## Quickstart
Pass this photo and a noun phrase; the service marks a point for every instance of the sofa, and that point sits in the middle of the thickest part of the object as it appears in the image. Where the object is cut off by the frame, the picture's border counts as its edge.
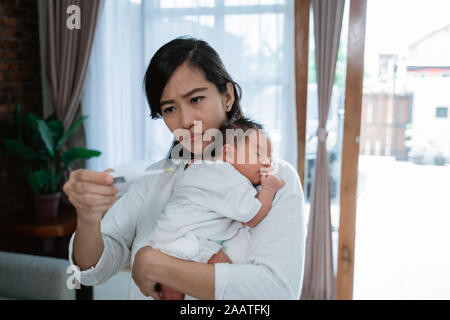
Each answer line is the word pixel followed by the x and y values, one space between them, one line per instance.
pixel 30 277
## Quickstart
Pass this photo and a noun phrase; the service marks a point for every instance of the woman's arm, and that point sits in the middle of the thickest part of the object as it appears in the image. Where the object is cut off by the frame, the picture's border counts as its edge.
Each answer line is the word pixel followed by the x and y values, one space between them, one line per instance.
pixel 104 249
pixel 88 245
pixel 92 194
pixel 192 278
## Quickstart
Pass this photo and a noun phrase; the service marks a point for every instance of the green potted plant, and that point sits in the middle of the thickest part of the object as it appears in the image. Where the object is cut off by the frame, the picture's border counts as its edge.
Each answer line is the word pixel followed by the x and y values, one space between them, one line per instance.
pixel 36 148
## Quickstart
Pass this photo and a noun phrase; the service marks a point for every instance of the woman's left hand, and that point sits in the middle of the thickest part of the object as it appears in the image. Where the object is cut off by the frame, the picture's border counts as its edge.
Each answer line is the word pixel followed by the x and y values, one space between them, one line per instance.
pixel 141 272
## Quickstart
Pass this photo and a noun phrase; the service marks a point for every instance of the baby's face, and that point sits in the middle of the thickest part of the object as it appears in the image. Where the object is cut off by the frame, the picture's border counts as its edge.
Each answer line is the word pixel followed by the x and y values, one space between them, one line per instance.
pixel 253 155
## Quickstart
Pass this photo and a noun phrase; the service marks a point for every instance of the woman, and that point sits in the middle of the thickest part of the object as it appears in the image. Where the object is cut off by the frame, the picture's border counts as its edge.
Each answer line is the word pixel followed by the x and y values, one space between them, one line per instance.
pixel 186 84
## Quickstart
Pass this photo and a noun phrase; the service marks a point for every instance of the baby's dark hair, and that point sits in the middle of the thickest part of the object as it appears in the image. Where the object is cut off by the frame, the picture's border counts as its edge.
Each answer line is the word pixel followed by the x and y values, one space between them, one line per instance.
pixel 244 124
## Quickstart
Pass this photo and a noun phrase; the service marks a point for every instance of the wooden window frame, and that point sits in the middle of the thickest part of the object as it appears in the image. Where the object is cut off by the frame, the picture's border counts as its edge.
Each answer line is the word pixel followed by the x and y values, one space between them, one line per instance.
pixel 352 126
pixel 301 17
pixel 350 148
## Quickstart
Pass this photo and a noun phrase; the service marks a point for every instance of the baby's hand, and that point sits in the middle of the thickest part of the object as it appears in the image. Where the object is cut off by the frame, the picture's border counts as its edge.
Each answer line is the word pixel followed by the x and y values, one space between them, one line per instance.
pixel 272 182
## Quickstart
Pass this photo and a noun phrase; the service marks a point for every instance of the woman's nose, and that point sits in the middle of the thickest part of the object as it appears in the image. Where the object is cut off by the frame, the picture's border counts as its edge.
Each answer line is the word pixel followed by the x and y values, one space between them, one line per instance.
pixel 187 119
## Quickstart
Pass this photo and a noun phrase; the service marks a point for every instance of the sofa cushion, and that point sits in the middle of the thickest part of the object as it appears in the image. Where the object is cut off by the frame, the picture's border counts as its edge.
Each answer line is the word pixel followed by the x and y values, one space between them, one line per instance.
pixel 24 276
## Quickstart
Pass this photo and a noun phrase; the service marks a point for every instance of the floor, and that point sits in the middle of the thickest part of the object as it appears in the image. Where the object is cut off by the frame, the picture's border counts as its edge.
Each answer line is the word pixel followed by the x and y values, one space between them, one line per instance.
pixel 402 247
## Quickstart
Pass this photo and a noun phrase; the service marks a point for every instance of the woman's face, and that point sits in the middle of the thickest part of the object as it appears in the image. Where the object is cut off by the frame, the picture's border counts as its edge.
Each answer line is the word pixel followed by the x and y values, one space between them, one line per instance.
pixel 189 101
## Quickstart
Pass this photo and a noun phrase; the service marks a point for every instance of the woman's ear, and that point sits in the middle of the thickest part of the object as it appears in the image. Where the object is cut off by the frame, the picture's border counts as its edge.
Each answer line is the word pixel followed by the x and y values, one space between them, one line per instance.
pixel 228 153
pixel 228 100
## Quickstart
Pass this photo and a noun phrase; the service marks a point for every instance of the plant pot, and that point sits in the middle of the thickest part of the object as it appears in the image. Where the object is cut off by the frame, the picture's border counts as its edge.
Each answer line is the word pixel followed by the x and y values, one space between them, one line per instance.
pixel 46 206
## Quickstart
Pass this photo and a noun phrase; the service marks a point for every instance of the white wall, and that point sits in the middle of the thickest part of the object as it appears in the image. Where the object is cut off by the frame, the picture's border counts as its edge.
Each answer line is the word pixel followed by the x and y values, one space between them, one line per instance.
pixel 429 93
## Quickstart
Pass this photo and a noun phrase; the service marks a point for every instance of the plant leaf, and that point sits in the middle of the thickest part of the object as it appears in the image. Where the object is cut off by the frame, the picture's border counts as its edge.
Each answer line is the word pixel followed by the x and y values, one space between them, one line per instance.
pixel 30 123
pixel 43 154
pixel 56 127
pixel 17 148
pixel 38 180
pixel 78 153
pixel 46 136
pixel 70 130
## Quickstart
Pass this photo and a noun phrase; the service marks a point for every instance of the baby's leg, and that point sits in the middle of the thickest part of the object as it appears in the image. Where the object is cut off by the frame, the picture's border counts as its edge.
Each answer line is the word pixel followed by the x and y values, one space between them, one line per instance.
pixel 171 294
pixel 219 257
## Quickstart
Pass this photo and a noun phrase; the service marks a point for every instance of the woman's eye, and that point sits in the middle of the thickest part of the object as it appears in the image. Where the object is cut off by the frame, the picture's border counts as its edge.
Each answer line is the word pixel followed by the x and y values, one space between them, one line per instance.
pixel 168 110
pixel 196 99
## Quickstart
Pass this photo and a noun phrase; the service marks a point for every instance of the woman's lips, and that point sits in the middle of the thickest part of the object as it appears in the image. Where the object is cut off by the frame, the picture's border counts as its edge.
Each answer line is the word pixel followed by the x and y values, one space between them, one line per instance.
pixel 195 137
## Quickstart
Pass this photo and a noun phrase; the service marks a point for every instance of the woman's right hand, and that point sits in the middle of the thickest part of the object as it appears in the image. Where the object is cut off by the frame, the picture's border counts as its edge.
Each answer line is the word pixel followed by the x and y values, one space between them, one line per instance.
pixel 142 271
pixel 91 193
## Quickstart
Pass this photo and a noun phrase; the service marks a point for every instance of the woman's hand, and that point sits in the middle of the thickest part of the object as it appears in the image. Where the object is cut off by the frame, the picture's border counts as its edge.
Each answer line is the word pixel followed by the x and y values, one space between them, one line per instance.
pixel 91 193
pixel 141 272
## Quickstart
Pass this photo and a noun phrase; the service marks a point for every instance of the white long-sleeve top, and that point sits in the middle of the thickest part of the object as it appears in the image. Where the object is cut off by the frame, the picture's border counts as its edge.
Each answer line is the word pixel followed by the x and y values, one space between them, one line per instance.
pixel 211 200
pixel 267 264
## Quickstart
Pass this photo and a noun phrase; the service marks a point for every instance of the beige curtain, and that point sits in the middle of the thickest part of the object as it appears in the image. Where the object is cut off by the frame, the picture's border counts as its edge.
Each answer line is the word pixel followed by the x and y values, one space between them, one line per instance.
pixel 68 53
pixel 318 281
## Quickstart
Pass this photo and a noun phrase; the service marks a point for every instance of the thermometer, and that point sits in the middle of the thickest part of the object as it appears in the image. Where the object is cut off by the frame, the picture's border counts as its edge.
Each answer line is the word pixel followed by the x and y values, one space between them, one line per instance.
pixel 132 176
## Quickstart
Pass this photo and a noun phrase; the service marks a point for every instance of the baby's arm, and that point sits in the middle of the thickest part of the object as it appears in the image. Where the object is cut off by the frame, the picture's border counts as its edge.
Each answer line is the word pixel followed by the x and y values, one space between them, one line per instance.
pixel 270 184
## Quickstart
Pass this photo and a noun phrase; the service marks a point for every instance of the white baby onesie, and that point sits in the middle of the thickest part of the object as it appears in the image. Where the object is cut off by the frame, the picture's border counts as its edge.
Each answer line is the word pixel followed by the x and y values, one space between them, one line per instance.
pixel 209 204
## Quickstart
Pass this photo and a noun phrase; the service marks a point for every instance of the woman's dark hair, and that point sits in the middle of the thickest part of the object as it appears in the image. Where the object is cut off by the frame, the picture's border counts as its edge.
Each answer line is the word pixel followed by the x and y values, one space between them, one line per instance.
pixel 200 55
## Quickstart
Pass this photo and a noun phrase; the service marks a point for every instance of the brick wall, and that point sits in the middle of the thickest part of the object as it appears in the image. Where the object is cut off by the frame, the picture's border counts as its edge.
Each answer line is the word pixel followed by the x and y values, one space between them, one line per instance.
pixel 20 75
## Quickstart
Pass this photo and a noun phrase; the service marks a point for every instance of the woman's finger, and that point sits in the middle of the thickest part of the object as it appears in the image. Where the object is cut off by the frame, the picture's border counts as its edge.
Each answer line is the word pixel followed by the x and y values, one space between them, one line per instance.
pixel 91 200
pixel 102 178
pixel 155 295
pixel 86 187
pixel 149 290
pixel 89 208
pixel 97 200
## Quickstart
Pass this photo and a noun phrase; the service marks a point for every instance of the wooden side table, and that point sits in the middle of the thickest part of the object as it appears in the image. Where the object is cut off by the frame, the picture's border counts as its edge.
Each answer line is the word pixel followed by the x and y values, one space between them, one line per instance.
pixel 48 235
pixel 25 224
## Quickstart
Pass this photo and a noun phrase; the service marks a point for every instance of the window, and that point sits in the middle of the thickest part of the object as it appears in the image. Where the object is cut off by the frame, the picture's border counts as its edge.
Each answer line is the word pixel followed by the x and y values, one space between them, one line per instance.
pixel 403 173
pixel 256 42
pixel 255 39
pixel 442 112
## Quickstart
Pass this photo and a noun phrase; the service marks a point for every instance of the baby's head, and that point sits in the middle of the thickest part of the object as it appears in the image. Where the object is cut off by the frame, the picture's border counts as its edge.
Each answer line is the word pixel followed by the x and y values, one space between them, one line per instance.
pixel 246 146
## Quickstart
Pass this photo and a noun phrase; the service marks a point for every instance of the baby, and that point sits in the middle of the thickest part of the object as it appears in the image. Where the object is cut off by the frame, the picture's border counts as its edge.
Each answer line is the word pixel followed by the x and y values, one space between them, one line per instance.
pixel 214 198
